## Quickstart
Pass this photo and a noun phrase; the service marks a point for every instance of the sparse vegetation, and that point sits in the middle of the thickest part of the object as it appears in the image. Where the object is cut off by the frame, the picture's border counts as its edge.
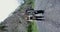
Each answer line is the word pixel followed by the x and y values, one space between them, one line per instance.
pixel 27 3
pixel 30 2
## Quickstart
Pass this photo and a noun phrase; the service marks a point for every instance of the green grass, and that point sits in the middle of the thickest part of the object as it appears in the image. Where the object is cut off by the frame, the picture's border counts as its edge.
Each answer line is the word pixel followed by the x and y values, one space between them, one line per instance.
pixel 29 29
pixel 32 27
pixel 33 1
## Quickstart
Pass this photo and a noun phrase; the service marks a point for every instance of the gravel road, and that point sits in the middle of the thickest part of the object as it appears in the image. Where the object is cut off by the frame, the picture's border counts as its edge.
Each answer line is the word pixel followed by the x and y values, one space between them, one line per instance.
pixel 52 17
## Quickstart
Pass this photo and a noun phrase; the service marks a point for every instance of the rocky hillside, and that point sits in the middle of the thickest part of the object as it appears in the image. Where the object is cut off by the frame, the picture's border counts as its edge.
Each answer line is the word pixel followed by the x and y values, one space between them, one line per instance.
pixel 16 21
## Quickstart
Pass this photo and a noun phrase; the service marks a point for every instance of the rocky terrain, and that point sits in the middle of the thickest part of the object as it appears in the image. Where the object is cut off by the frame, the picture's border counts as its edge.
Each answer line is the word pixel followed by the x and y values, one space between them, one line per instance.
pixel 16 21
